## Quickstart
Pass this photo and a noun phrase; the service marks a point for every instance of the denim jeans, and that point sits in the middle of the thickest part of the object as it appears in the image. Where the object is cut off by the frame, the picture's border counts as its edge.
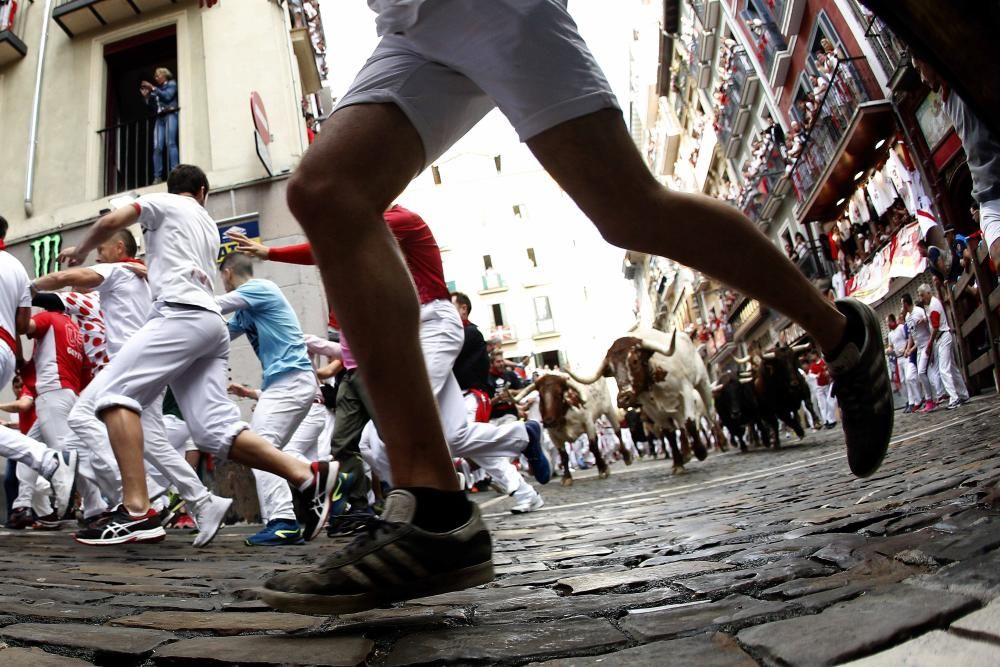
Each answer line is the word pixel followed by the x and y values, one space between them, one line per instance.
pixel 165 134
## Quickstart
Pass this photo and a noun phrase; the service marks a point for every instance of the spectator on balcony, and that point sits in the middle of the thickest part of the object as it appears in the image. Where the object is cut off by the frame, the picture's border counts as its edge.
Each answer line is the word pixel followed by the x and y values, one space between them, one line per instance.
pixel 982 148
pixel 789 251
pixel 162 98
pixel 819 86
pixel 801 247
pixel 8 10
pixel 310 127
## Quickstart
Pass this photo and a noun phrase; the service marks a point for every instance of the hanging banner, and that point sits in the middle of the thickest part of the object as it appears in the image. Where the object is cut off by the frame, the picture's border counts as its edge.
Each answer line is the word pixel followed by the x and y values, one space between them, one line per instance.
pixel 871 283
pixel 906 259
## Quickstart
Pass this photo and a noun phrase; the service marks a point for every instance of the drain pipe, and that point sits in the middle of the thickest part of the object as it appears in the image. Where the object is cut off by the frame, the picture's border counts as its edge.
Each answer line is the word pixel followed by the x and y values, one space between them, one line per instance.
pixel 36 104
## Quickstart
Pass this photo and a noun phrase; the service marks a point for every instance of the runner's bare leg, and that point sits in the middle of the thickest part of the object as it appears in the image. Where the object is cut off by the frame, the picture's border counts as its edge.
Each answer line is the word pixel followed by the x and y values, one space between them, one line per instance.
pixel 365 156
pixel 125 433
pixel 594 160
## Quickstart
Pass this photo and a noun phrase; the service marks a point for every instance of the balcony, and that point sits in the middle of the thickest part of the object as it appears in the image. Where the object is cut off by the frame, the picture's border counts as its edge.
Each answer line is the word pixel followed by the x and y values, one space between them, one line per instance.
pixel 745 317
pixel 851 119
pixel 76 17
pixel 309 47
pixel 492 282
pixel 12 19
pixel 504 333
pixel 889 50
pixel 707 12
pixel 130 151
pixel 762 187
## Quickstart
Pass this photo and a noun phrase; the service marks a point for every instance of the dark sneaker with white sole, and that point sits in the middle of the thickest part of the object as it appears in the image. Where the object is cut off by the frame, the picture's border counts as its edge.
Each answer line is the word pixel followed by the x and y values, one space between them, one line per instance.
pixel 390 561
pixel 312 505
pixel 123 528
pixel 861 385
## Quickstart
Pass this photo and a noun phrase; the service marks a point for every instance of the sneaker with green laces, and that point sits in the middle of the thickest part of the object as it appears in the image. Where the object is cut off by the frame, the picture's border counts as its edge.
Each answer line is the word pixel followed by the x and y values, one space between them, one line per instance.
pixel 389 561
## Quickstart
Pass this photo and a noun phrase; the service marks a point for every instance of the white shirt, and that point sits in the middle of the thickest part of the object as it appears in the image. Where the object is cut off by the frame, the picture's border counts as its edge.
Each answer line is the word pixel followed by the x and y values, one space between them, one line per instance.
pixel 182 246
pixel 935 306
pixel 15 291
pixel 916 322
pixel 395 15
pixel 898 340
pixel 125 303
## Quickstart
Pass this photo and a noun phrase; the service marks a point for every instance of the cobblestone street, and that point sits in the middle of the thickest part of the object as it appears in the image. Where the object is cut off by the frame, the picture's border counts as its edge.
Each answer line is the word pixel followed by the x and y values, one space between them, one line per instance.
pixel 772 557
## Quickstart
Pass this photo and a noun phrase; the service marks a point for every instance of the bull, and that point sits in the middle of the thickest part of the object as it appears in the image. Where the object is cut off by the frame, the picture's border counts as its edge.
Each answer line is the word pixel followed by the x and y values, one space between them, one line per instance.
pixel 779 388
pixel 570 410
pixel 667 378
pixel 736 406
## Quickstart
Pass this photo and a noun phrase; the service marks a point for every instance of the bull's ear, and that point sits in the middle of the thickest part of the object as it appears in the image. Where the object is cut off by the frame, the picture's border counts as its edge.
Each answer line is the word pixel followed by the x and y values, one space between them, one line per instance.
pixel 659 374
pixel 608 371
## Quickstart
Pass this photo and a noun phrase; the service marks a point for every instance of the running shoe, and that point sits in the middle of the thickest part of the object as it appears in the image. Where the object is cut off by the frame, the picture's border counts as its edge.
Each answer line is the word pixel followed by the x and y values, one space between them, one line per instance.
pixel 390 561
pixel 48 522
pixel 540 467
pixel 338 498
pixel 349 523
pixel 313 503
pixel 277 533
pixel 908 409
pixel 929 406
pixel 61 473
pixel 124 528
pixel 953 405
pixel 20 518
pixel 861 385
pixel 209 515
pixel 526 499
pixel 96 520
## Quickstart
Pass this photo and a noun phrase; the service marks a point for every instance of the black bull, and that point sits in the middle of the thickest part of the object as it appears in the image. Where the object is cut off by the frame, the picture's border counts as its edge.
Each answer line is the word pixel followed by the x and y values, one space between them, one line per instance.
pixel 781 390
pixel 736 405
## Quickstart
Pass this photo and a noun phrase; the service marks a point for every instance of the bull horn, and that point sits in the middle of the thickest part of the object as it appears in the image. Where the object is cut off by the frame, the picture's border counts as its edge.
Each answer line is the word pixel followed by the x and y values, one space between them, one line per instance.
pixel 769 355
pixel 801 348
pixel 746 380
pixel 524 392
pixel 656 347
pixel 742 360
pixel 716 387
pixel 590 379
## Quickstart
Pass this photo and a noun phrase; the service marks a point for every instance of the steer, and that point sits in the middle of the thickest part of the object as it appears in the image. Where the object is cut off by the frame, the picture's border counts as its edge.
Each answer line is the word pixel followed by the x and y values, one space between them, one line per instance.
pixel 570 410
pixel 667 378
pixel 780 388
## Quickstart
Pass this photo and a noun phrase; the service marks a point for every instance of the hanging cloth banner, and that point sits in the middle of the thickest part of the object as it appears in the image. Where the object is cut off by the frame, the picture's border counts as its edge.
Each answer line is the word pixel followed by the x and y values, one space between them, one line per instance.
pixel 906 259
pixel 899 259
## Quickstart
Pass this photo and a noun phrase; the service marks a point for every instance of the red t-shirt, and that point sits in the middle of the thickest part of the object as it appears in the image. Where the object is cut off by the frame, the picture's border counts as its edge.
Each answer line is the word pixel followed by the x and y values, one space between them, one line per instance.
pixel 58 354
pixel 26 419
pixel 420 250
pixel 818 368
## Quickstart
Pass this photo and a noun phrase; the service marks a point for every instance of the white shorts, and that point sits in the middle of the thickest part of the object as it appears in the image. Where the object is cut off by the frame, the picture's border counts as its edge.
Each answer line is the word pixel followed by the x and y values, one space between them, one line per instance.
pixel 989 221
pixel 189 350
pixel 463 57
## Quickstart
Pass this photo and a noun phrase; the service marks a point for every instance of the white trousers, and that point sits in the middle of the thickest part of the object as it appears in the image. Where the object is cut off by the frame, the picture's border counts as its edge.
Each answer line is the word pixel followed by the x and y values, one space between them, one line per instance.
pixel 441 339
pixel 14 445
pixel 908 376
pixel 33 490
pixel 188 350
pixel 179 434
pixel 948 371
pixel 279 412
pixel 927 373
pixel 827 403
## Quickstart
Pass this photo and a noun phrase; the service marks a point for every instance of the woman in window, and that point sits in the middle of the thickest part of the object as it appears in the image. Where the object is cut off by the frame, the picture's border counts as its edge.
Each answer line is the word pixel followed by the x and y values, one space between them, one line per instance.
pixel 162 98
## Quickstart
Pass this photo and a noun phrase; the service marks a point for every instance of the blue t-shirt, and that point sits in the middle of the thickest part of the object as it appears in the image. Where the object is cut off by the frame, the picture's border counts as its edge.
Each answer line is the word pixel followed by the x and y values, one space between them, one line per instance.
pixel 270 324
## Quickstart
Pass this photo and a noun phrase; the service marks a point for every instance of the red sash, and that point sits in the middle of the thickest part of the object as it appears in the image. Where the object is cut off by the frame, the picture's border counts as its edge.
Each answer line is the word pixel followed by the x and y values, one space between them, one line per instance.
pixel 7 338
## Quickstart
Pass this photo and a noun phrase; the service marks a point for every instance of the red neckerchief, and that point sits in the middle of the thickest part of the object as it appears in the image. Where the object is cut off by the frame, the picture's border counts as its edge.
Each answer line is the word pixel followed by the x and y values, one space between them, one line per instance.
pixel 133 260
pixel 3 246
pixel 465 322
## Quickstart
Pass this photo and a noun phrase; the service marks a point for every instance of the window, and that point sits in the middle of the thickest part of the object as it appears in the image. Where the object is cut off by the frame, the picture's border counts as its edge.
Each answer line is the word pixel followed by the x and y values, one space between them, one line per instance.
pixel 139 139
pixel 487 262
pixel 498 315
pixel 532 258
pixel 543 315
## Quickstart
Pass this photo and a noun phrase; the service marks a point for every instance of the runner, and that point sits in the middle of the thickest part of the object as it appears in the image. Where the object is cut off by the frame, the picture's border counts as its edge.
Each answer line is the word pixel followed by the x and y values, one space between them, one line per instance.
pixel 184 343
pixel 440 67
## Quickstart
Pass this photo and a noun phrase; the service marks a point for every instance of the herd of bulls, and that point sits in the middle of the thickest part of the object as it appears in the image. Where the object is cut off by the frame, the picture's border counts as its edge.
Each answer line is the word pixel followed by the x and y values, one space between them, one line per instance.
pixel 665 377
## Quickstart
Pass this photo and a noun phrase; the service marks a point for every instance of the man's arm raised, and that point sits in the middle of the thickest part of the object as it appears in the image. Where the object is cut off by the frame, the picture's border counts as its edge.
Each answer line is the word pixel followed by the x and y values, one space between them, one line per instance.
pixel 77 278
pixel 99 232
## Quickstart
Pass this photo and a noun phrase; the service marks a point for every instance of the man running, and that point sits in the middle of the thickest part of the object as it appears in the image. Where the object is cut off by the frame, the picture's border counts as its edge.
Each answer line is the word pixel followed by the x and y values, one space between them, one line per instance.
pixel 15 319
pixel 184 344
pixel 288 389
pixel 125 302
pixel 920 335
pixel 440 67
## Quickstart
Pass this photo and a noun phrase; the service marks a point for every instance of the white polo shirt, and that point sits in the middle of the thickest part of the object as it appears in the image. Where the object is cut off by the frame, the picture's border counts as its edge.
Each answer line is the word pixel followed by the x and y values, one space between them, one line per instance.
pixel 125 303
pixel 15 291
pixel 182 246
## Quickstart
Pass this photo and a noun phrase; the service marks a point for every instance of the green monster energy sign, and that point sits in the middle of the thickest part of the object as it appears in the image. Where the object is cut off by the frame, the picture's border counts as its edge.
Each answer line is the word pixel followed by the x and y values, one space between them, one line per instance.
pixel 46 253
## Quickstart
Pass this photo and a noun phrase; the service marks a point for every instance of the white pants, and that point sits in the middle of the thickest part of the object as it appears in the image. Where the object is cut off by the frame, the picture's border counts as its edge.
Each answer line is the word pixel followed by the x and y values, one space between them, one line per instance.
pixel 179 434
pixel 305 442
pixel 279 412
pixel 908 376
pixel 928 375
pixel 33 490
pixel 323 447
pixel 827 403
pixel 188 350
pixel 14 445
pixel 441 338
pixel 989 221
pixel 948 370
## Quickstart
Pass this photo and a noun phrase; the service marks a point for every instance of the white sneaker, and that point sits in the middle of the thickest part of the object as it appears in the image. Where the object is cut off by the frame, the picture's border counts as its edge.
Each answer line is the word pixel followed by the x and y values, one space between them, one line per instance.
pixel 62 479
pixel 209 516
pixel 526 499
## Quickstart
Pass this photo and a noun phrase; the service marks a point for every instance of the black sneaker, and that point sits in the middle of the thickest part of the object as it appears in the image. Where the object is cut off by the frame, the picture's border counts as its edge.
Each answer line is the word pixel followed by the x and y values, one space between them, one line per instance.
pixel 123 528
pixel 861 385
pixel 392 560
pixel 20 518
pixel 51 521
pixel 91 522
pixel 312 506
pixel 349 522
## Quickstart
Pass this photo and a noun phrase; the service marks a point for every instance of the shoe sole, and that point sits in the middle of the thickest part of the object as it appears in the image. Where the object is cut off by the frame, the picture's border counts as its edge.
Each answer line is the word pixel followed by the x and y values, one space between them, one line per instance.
pixel 325 605
pixel 138 537
pixel 527 510
pixel 214 530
